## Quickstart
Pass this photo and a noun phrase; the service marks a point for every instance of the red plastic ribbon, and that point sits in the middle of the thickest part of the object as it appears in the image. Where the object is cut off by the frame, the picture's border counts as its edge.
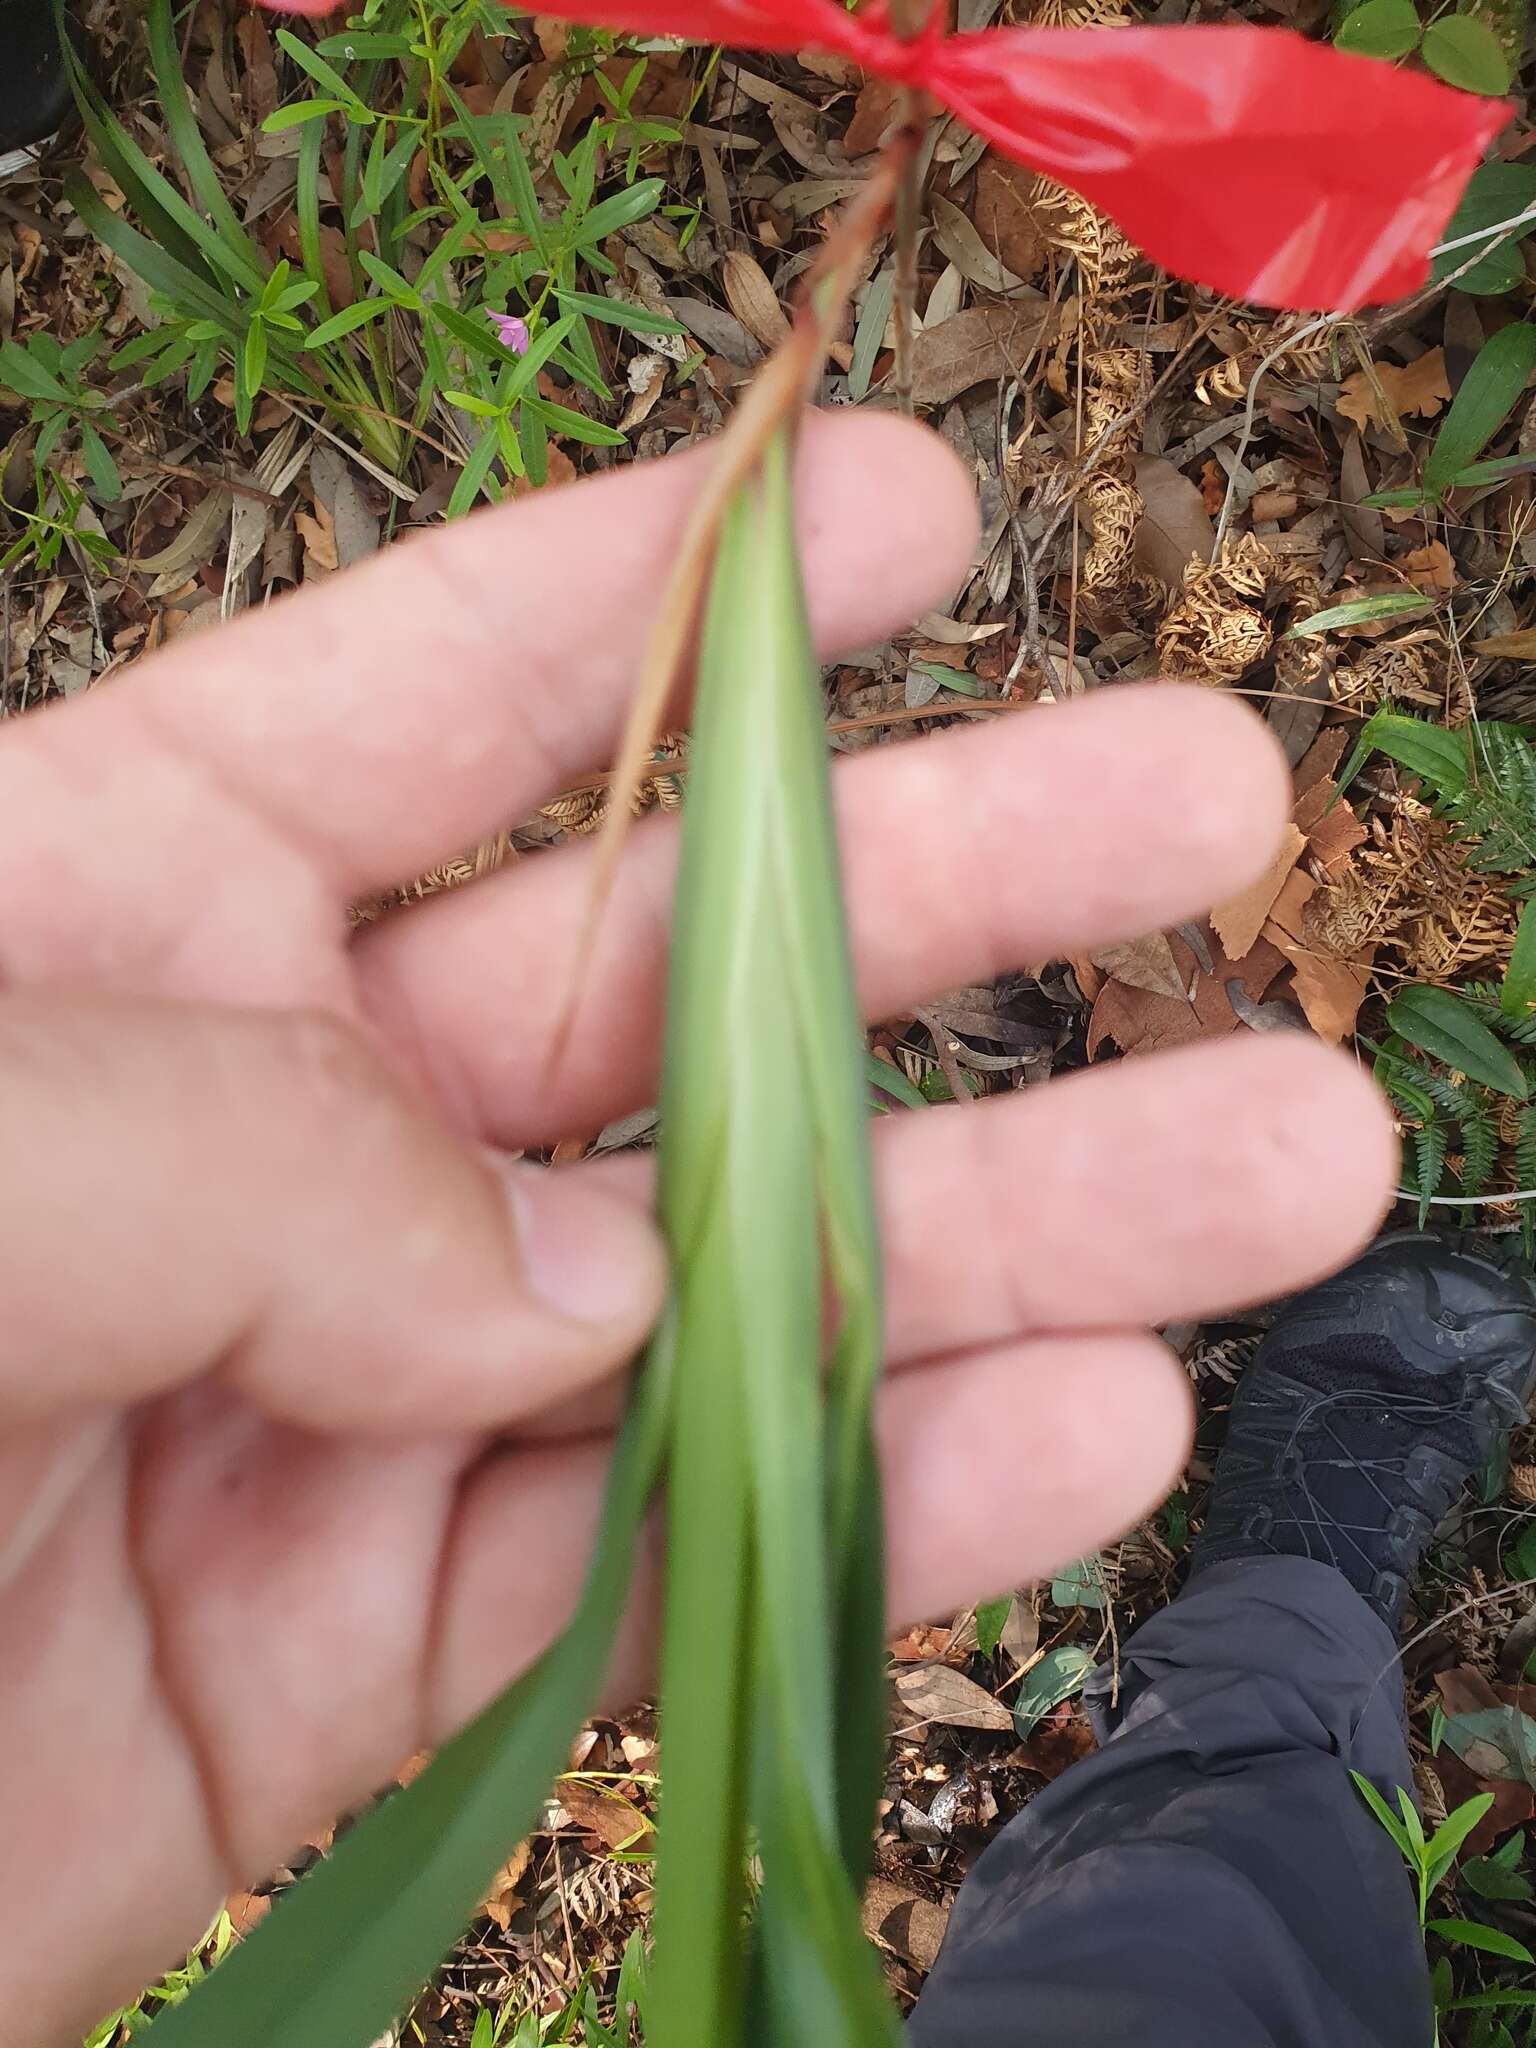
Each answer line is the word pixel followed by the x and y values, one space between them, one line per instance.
pixel 1247 159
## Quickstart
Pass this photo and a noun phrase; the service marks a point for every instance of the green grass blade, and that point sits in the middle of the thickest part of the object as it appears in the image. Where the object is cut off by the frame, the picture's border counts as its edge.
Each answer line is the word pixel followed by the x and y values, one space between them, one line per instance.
pixel 150 260
pixel 344 1953
pixel 187 139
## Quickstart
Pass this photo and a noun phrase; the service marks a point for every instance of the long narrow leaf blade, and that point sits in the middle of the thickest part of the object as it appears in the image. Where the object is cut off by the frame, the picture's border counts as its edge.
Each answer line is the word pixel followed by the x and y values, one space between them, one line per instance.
pixel 342 1955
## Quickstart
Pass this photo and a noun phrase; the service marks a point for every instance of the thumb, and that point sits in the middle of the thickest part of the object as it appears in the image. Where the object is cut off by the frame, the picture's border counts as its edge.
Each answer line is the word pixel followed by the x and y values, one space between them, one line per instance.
pixel 187 1189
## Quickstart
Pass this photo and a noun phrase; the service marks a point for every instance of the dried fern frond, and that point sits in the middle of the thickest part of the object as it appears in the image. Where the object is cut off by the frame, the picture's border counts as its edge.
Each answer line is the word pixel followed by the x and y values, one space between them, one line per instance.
pixel 1410 893
pixel 1309 362
pixel 1400 673
pixel 1104 258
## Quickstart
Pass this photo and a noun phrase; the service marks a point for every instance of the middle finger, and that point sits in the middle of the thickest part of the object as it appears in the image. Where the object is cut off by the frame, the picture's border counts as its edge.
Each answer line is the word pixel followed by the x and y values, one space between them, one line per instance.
pixel 964 855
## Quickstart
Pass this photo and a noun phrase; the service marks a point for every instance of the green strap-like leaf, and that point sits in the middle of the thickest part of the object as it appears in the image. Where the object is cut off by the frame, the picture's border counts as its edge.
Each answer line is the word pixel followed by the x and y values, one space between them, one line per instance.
pixel 344 1953
pixel 1441 1024
pixel 1485 400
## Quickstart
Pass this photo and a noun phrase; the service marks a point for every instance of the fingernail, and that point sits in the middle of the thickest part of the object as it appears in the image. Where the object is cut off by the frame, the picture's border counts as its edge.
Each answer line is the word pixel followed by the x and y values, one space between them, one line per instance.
pixel 587 1253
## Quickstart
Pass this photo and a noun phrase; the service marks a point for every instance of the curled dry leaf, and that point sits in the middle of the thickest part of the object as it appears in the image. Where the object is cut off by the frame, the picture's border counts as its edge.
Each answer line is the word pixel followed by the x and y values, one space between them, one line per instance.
pixel 752 298
pixel 1430 569
pixel 1136 1020
pixel 875 113
pixel 616 1821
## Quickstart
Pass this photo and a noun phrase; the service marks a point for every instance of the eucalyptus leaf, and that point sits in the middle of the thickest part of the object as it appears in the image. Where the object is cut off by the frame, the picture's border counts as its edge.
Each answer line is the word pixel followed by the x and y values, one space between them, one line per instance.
pixel 1058 1675
pixel 1079 1584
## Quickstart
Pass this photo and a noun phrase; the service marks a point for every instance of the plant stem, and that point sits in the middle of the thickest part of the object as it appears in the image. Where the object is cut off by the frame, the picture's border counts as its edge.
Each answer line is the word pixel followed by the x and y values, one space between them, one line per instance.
pixel 908 208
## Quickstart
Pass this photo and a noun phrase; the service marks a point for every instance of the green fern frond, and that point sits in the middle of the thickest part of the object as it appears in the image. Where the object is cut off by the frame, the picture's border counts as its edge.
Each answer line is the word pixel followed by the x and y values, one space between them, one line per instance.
pixel 1479 1148
pixel 1428 1151
pixel 1525 1149
pixel 1483 997
pixel 1497 808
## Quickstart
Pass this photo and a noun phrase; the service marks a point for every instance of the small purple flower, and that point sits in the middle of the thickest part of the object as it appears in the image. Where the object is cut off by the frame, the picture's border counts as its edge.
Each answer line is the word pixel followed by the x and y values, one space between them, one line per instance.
pixel 511 332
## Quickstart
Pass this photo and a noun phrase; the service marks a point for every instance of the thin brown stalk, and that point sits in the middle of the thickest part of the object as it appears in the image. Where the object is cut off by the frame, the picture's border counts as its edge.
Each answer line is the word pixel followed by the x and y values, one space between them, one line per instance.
pixel 908 210
pixel 775 396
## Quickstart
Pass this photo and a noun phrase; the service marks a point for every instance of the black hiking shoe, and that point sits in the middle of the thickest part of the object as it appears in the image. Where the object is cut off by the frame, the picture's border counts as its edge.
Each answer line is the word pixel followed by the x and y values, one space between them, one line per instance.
pixel 1369 1405
pixel 34 86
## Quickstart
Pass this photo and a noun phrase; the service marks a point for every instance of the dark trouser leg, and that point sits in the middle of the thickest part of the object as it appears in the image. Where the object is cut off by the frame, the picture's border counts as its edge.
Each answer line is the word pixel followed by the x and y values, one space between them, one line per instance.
pixel 34 93
pixel 1210 1877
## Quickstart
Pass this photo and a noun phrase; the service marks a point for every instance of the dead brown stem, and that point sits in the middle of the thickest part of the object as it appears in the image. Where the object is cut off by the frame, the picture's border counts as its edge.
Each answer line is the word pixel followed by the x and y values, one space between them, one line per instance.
pixel 773 399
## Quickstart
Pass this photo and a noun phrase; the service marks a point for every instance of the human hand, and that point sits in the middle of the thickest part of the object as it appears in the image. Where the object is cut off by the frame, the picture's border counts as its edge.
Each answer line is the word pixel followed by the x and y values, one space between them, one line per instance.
pixel 303 1387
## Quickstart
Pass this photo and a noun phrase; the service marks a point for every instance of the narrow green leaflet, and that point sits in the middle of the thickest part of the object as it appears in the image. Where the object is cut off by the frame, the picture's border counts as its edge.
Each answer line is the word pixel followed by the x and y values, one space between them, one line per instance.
pixel 1487 396
pixel 345 1952
pixel 991 1620
pixel 1359 611
pixel 617 313
pixel 1517 991
pixel 1436 756
pixel 1474 1934
pixel 1441 1024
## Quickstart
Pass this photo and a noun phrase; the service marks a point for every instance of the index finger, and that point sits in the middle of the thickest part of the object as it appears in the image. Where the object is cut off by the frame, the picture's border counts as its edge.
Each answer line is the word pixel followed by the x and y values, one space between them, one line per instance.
pixel 420 701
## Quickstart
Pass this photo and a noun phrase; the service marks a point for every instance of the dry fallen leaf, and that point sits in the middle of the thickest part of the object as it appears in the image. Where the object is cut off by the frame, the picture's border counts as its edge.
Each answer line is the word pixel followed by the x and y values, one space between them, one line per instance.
pixel 1146 962
pixel 752 298
pixel 1175 525
pixel 501 1901
pixel 616 1821
pixel 919 1645
pixel 319 537
pixel 975 347
pixel 905 1922
pixel 1363 526
pixel 1508 646
pixel 1238 923
pixel 1416 390
pixel 246 1910
pixel 1330 990
pixel 874 113
pixel 1003 216
pixel 1430 568
pixel 933 1692
pixel 1138 1021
